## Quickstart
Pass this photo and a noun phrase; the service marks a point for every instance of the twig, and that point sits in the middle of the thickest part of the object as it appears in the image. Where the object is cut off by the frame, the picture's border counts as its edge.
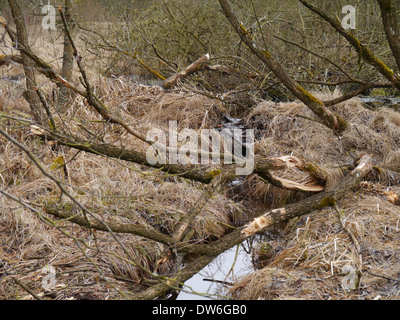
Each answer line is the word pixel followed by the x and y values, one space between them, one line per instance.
pixel 363 51
pixel 23 286
pixel 380 276
pixel 351 234
pixel 216 184
pixel 85 211
pixel 46 107
pixel 134 55
pixel 234 262
pixel 350 77
pixel 356 92
pixel 53 224
pixel 219 281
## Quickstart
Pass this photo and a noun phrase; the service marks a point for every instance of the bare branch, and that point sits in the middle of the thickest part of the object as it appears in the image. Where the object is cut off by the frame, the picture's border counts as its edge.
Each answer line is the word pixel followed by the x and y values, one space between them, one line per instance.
pixel 329 119
pixel 362 50
pixel 112 223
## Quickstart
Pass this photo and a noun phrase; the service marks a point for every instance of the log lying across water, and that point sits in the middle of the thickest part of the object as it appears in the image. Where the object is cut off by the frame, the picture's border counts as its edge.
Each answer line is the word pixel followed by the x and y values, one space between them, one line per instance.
pixel 205 253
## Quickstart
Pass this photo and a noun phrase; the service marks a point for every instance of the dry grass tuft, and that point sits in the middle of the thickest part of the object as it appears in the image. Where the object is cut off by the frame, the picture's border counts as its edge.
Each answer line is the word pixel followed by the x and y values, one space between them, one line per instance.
pixel 307 261
pixel 92 265
pixel 153 106
pixel 309 264
pixel 305 264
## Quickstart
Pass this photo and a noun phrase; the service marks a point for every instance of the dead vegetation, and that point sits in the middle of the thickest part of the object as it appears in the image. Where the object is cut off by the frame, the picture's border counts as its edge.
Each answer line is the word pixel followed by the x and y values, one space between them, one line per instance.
pixel 80 197
pixel 108 187
pixel 304 262
pixel 307 258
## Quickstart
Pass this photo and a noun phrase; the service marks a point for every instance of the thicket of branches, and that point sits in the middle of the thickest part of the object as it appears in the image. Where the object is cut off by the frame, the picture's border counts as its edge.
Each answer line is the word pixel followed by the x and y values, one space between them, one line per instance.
pixel 254 48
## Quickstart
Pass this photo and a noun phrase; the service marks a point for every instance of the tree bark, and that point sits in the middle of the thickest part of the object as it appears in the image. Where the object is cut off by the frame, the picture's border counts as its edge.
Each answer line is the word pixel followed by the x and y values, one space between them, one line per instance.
pixel 68 61
pixel 29 69
pixel 114 224
pixel 300 208
pixel 389 20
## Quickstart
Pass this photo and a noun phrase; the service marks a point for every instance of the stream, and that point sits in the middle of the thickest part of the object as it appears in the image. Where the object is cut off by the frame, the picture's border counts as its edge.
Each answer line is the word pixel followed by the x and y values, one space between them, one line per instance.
pixel 386 100
pixel 235 262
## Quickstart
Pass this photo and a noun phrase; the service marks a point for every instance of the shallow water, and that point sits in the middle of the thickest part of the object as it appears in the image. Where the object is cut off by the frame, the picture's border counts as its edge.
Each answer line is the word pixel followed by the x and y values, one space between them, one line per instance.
pixel 385 100
pixel 198 289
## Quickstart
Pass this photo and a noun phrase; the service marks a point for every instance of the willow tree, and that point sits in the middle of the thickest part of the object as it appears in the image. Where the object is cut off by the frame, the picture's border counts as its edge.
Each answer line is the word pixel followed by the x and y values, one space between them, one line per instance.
pixel 20 38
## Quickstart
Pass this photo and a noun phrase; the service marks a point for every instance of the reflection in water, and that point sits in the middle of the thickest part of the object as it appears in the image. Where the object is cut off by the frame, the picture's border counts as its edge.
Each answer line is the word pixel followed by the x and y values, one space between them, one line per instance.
pixel 235 262
pixel 383 100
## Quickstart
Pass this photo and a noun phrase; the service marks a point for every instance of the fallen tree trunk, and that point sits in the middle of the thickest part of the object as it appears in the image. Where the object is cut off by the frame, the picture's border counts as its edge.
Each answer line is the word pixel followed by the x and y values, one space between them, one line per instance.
pixel 205 253
pixel 114 224
pixel 300 208
pixel 312 203
pixel 200 173
pixel 210 251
